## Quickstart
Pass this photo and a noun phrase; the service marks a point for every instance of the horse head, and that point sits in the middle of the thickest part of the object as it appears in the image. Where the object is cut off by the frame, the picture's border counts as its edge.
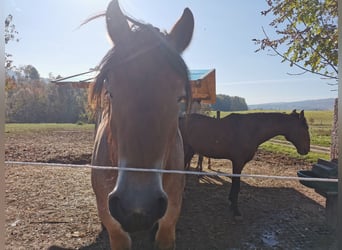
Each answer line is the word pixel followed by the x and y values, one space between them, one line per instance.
pixel 144 77
pixel 299 134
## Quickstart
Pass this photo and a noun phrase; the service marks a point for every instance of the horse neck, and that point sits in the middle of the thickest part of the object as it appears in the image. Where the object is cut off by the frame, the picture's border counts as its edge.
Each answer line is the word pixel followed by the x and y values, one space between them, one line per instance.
pixel 270 125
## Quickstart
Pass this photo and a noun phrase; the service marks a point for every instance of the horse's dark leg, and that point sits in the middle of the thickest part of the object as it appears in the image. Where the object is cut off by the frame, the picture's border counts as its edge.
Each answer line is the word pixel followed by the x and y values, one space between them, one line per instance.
pixel 199 163
pixel 188 154
pixel 234 192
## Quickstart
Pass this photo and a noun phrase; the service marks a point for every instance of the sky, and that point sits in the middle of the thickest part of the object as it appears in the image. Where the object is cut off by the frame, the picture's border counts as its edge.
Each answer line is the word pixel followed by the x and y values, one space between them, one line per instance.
pixel 52 40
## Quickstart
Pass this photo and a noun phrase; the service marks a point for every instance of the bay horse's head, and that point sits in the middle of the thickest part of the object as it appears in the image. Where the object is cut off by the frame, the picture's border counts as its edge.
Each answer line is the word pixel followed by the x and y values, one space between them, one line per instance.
pixel 298 133
pixel 145 78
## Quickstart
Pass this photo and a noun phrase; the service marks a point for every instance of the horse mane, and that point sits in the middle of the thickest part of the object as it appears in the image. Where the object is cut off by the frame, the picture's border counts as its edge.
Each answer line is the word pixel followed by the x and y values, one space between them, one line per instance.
pixel 114 57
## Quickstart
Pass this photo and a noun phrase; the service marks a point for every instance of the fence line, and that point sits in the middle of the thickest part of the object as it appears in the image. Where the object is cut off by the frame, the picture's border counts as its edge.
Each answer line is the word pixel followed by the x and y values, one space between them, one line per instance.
pixel 165 171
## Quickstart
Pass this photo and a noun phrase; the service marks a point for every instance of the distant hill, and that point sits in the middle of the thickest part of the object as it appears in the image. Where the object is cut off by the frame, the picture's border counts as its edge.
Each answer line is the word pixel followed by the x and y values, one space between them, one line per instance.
pixel 319 104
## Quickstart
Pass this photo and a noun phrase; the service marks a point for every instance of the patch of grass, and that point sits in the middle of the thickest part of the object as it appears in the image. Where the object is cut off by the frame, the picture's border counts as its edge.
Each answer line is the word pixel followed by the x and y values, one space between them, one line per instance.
pixel 319 117
pixel 27 127
pixel 292 152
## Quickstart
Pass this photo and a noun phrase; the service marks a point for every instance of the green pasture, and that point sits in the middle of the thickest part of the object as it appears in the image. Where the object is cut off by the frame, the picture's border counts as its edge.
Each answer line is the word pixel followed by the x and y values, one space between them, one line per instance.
pixel 27 127
pixel 320 125
pixel 291 151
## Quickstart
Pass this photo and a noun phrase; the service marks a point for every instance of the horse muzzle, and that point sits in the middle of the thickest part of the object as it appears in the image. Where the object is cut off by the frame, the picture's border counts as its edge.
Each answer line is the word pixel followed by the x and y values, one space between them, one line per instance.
pixel 136 207
pixel 303 151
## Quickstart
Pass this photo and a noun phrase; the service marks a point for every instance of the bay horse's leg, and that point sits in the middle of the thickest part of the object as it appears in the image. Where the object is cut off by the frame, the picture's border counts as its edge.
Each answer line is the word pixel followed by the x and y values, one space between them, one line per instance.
pixel 173 185
pixel 188 154
pixel 234 191
pixel 103 182
pixel 199 163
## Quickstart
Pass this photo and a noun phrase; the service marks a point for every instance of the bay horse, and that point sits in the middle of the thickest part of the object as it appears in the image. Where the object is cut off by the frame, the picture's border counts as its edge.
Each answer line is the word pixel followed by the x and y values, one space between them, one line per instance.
pixel 143 78
pixel 237 137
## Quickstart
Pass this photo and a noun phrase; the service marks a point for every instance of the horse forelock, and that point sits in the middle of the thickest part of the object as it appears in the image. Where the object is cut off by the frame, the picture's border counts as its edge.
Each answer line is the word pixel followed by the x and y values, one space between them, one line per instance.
pixel 144 38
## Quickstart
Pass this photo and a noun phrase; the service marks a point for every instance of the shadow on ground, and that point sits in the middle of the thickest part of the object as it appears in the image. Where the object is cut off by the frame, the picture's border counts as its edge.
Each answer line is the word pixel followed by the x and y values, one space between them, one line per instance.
pixel 274 218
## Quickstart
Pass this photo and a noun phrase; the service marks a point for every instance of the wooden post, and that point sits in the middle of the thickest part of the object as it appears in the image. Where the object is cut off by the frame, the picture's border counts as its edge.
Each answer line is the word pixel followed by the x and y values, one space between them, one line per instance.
pixel 334 134
pixel 218 114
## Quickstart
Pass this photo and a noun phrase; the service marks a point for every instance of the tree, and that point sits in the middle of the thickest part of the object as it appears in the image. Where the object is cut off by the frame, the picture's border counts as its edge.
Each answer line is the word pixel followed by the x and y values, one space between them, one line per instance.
pixel 30 72
pixel 229 103
pixel 306 35
pixel 10 35
pixel 35 101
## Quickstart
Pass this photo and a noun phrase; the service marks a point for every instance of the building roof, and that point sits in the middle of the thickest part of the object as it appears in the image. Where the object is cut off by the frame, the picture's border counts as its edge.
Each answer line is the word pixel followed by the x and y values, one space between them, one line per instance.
pixel 203 83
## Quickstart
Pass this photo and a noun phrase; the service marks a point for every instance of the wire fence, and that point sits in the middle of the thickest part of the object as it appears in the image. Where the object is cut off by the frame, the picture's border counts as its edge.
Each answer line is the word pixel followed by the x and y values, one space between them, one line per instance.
pixel 167 171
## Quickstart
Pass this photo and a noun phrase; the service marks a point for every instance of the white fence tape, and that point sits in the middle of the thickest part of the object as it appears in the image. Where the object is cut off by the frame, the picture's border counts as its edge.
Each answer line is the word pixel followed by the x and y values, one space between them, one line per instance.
pixel 292 178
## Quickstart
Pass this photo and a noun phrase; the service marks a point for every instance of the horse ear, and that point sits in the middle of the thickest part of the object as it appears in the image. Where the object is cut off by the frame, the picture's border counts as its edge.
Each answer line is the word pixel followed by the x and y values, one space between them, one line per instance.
pixel 294 111
pixel 181 33
pixel 301 114
pixel 117 25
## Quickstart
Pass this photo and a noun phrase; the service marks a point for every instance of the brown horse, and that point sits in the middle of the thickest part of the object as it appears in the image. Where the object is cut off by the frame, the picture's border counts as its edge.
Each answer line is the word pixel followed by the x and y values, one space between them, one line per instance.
pixel 236 137
pixel 143 77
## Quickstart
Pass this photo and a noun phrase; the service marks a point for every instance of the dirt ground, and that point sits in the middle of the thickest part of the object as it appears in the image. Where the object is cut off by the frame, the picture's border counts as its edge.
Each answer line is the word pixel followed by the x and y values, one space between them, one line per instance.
pixel 54 207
